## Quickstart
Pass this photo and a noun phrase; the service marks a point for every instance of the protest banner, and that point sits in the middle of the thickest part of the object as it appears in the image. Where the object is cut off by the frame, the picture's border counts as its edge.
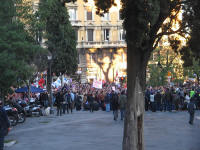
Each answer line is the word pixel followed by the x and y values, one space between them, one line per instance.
pixel 97 84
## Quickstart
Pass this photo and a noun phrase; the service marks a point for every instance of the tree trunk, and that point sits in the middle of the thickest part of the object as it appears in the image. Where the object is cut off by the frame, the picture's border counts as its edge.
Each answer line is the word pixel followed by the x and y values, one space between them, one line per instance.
pixel 133 125
pixel 49 80
pixel 29 90
pixel 197 78
pixel 106 75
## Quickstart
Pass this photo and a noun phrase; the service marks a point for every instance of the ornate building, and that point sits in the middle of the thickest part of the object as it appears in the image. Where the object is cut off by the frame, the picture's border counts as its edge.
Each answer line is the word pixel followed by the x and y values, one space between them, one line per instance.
pixel 101 44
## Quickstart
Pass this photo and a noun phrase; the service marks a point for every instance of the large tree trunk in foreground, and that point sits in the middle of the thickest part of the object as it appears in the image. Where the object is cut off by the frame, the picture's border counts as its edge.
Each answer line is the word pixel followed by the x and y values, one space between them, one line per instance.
pixel 133 126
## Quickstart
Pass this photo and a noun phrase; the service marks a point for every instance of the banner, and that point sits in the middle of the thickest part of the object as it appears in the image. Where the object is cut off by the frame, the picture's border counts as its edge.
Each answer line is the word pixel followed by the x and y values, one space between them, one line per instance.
pixel 113 88
pixel 41 82
pixel 97 84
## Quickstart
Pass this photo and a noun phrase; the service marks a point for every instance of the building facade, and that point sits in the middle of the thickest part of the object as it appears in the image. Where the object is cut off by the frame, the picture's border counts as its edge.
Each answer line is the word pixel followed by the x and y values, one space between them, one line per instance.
pixel 101 41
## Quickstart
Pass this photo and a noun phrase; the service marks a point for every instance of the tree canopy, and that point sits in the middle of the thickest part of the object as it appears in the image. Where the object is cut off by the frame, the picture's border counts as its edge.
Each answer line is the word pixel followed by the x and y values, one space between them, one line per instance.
pixel 60 36
pixel 18 49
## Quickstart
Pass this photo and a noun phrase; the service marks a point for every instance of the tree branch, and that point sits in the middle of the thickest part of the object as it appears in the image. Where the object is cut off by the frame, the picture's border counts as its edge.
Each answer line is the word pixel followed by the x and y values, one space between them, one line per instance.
pixel 164 13
pixel 156 43
pixel 170 32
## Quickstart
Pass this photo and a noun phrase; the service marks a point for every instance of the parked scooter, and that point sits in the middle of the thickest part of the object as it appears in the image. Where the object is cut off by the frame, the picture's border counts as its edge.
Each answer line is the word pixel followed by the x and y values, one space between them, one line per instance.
pixel 12 115
pixel 21 112
pixel 26 107
pixel 34 108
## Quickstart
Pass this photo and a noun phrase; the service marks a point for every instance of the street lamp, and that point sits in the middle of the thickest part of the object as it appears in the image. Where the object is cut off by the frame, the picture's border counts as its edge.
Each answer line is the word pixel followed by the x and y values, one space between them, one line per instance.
pixel 49 82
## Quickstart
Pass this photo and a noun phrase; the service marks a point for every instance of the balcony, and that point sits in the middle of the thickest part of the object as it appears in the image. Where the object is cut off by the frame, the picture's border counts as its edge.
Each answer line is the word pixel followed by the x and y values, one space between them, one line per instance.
pixel 101 44
pixel 76 23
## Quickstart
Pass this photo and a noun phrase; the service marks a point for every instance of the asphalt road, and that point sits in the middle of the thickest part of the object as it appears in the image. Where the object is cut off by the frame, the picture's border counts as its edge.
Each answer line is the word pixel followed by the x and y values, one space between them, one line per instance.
pixel 98 131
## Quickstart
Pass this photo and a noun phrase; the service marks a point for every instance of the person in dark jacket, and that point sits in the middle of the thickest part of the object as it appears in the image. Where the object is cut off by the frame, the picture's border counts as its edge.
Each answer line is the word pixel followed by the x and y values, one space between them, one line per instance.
pixel 168 98
pixel 115 104
pixel 158 99
pixel 59 102
pixel 107 102
pixel 4 125
pixel 44 99
pixel 197 99
pixel 90 100
pixel 69 102
pixel 122 104
pixel 147 99
pixel 191 110
pixel 78 101
pixel 64 105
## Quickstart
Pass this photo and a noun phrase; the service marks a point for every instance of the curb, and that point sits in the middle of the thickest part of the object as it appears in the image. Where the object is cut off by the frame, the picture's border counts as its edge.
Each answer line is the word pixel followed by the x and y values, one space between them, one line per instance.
pixel 10 143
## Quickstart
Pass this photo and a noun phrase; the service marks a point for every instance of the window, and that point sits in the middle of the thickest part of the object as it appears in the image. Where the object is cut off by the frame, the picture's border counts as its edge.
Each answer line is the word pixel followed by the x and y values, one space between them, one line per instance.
pixel 122 35
pixel 100 53
pixel 76 33
pixel 93 57
pixel 120 16
pixel 106 34
pixel 89 14
pixel 90 35
pixel 72 14
pixel 106 17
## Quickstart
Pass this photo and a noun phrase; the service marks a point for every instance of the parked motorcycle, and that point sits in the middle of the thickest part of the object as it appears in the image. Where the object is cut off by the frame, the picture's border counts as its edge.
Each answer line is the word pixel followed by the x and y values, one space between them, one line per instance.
pixel 31 109
pixel 21 112
pixel 34 108
pixel 12 115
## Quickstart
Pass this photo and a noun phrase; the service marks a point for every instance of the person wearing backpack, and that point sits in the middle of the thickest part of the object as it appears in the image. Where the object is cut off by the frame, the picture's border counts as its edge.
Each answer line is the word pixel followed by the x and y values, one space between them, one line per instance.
pixel 191 110
pixel 4 125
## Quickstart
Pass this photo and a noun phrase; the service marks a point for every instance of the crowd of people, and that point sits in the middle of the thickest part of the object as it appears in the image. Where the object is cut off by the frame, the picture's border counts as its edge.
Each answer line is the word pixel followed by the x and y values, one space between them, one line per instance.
pixel 76 95
pixel 80 97
pixel 111 97
pixel 85 96
pixel 178 98
pixel 171 98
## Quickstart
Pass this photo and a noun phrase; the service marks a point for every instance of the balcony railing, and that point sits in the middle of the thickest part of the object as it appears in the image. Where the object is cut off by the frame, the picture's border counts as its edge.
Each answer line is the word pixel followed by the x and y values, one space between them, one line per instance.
pixel 101 44
pixel 76 22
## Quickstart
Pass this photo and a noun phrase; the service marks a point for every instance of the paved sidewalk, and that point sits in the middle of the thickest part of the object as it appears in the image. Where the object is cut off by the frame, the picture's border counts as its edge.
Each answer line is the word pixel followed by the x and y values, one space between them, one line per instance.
pixel 97 131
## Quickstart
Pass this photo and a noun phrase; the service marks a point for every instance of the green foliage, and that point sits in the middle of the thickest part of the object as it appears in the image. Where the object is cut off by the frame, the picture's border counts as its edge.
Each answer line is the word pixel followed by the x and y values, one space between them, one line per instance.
pixel 158 76
pixel 191 52
pixel 103 6
pixel 18 50
pixel 164 60
pixel 61 39
pixel 27 15
pixel 7 11
pixel 193 70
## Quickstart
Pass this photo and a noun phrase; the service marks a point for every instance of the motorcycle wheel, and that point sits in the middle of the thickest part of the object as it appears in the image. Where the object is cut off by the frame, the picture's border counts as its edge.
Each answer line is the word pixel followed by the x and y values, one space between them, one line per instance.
pixel 38 114
pixel 21 118
pixel 41 114
pixel 13 120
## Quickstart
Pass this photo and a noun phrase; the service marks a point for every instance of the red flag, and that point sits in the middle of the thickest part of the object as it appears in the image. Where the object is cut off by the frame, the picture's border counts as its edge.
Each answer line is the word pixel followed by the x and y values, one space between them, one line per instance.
pixel 41 82
pixel 125 86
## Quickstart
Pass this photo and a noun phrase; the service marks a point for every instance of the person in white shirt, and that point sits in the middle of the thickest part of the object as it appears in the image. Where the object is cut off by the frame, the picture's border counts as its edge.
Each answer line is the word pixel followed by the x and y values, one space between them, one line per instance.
pixel 152 102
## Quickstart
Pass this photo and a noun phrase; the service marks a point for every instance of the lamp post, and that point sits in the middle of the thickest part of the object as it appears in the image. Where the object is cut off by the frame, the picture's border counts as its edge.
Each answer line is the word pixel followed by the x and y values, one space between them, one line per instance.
pixel 49 82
